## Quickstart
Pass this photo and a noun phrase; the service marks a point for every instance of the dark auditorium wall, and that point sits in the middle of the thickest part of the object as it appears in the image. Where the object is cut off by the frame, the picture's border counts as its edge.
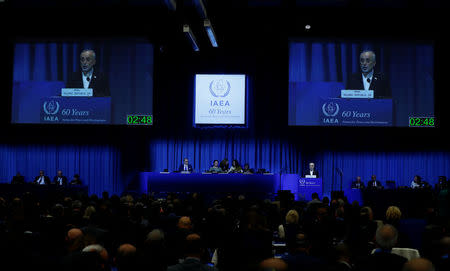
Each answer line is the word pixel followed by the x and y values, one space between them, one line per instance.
pixel 254 42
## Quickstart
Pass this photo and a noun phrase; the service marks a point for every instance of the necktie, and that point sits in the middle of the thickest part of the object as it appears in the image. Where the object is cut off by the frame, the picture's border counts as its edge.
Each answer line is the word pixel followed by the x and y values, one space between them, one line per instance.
pixel 368 80
pixel 88 79
pixel 59 180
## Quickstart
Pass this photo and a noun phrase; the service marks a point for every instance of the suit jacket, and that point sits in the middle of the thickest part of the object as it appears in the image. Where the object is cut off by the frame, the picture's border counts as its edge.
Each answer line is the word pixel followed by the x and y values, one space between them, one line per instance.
pixel 307 173
pixel 181 168
pixel 370 184
pixel 99 83
pixel 361 185
pixel 18 180
pixel 379 84
pixel 64 180
pixel 191 264
pixel 382 261
pixel 46 179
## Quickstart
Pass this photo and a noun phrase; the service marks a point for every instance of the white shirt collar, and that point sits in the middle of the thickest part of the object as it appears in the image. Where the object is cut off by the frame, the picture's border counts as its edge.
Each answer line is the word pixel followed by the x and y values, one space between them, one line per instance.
pixel 369 75
pixel 84 77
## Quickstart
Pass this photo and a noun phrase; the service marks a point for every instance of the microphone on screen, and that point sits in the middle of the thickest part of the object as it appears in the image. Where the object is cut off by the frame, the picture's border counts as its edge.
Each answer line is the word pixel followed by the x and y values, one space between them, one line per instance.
pixel 368 80
pixel 88 79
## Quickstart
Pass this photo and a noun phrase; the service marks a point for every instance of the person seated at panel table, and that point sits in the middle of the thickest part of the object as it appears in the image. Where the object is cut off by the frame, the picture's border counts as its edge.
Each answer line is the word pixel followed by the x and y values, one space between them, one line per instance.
pixel 247 169
pixel 60 179
pixel 374 183
pixel 358 184
pixel 89 77
pixel 311 171
pixel 41 179
pixel 215 167
pixel 224 165
pixel 18 179
pixel 185 167
pixel 368 79
pixel 235 167
pixel 419 183
pixel 76 180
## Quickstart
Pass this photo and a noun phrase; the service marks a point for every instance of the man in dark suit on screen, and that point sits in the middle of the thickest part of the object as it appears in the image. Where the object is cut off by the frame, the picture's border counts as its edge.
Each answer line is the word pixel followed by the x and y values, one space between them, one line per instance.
pixel 311 171
pixel 368 79
pixel 88 77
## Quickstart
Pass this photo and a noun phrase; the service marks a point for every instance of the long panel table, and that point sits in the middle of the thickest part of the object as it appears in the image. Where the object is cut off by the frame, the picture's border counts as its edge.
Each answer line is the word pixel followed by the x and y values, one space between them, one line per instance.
pixel 41 191
pixel 214 183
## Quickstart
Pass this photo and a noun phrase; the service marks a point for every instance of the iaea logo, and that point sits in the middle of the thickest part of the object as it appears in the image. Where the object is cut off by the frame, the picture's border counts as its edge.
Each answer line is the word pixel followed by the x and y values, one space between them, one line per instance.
pixel 51 108
pixel 219 88
pixel 301 182
pixel 330 109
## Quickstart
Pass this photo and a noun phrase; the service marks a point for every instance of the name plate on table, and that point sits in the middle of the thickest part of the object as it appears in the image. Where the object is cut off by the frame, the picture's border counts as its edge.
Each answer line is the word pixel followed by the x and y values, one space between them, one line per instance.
pixel 310 176
pixel 76 92
pixel 356 94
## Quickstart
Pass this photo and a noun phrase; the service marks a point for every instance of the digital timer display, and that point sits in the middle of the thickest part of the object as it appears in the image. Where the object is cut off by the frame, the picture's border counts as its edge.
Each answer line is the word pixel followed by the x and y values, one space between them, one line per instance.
pixel 422 122
pixel 139 119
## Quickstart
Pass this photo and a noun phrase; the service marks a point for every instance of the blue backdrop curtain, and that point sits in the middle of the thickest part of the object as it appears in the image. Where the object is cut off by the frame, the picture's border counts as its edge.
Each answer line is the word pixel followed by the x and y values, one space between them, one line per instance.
pixel 128 63
pixel 409 67
pixel 274 155
pixel 398 166
pixel 98 165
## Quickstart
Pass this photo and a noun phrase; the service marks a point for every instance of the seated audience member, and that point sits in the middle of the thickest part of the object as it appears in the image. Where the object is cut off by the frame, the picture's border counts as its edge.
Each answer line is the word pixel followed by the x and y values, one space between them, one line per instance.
pixel 374 183
pixel 60 179
pixel 41 179
pixel 273 264
pixel 443 263
pixel 314 201
pixel 247 169
pixel 289 230
pixel 358 184
pixel 18 179
pixel 74 240
pixel 154 254
pixel 126 258
pixel 193 252
pixel 362 232
pixel 215 167
pixel 94 257
pixel 418 264
pixel 299 258
pixel 224 165
pixel 382 259
pixel 185 167
pixel 76 180
pixel 343 259
pixel 235 167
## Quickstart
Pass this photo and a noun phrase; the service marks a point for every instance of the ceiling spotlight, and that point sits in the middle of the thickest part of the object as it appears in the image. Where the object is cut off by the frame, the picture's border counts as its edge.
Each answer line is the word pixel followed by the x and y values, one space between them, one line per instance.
pixel 210 31
pixel 307 27
pixel 188 33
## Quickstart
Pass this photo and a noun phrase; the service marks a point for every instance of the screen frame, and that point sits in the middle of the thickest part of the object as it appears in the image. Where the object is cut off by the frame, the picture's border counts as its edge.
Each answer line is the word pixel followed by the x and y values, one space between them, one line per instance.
pixel 219 125
pixel 377 40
